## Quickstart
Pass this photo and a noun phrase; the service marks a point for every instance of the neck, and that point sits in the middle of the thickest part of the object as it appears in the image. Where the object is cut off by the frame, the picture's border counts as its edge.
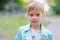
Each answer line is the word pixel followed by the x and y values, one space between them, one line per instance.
pixel 36 27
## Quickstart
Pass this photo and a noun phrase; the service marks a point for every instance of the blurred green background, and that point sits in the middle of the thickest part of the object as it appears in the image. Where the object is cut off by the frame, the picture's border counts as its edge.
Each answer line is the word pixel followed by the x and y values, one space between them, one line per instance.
pixel 12 15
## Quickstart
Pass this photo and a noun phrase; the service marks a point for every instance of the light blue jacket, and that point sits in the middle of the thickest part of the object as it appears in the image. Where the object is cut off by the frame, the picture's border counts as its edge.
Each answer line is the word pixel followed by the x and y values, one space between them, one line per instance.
pixel 24 33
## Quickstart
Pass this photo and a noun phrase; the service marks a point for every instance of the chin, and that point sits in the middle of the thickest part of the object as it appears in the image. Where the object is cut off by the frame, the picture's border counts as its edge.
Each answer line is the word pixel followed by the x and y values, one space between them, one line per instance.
pixel 35 23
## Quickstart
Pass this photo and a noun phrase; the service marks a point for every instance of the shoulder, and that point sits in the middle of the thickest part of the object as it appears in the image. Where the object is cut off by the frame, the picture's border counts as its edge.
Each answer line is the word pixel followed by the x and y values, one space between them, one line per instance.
pixel 45 30
pixel 24 28
pixel 47 33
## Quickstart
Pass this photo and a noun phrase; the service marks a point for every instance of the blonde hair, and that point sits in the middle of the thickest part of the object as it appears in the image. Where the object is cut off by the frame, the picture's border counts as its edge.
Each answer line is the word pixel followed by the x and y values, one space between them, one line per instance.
pixel 34 5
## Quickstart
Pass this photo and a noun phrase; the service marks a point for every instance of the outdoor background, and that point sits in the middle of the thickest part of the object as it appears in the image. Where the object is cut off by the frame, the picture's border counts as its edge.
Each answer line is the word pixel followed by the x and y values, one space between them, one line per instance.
pixel 12 17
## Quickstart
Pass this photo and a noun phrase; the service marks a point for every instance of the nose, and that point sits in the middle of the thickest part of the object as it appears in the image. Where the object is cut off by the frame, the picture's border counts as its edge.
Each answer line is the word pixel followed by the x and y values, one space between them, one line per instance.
pixel 34 17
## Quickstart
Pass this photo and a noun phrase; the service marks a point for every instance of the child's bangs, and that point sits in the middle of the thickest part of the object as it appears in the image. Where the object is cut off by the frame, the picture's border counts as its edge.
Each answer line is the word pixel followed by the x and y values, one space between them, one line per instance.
pixel 35 6
pixel 31 8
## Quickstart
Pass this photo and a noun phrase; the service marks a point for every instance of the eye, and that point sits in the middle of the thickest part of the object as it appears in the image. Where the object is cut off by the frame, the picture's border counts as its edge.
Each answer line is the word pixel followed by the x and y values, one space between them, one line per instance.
pixel 37 14
pixel 31 14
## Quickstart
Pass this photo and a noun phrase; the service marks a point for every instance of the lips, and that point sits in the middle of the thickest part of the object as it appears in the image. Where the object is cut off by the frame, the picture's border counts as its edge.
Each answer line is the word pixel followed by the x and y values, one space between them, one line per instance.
pixel 34 21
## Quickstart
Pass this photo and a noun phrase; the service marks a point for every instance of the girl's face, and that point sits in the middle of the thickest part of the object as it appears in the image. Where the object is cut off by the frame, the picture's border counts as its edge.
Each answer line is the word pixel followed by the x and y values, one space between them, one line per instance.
pixel 35 16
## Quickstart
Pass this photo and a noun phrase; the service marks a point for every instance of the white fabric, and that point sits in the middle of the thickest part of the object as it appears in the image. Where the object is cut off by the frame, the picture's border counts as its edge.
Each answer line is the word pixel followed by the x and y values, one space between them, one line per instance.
pixel 36 34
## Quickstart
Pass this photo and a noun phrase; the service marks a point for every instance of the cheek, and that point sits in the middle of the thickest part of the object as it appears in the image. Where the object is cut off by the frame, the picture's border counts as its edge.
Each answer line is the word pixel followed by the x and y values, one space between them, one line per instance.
pixel 40 18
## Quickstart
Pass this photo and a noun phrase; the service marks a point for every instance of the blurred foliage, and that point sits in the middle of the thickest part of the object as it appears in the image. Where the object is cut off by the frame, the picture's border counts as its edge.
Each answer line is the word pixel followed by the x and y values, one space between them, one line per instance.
pixel 19 3
pixel 16 3
pixel 2 4
pixel 49 1
pixel 56 7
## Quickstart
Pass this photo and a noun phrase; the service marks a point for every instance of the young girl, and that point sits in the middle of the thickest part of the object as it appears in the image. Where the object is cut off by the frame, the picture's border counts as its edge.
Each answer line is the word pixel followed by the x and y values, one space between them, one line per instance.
pixel 34 30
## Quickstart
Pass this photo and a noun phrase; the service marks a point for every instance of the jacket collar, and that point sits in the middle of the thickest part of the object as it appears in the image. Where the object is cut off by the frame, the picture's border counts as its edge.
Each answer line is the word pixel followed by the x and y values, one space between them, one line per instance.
pixel 42 31
pixel 27 27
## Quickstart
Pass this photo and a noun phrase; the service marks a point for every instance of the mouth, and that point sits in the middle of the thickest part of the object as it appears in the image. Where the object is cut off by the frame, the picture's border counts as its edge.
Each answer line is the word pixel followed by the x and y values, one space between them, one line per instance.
pixel 34 21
